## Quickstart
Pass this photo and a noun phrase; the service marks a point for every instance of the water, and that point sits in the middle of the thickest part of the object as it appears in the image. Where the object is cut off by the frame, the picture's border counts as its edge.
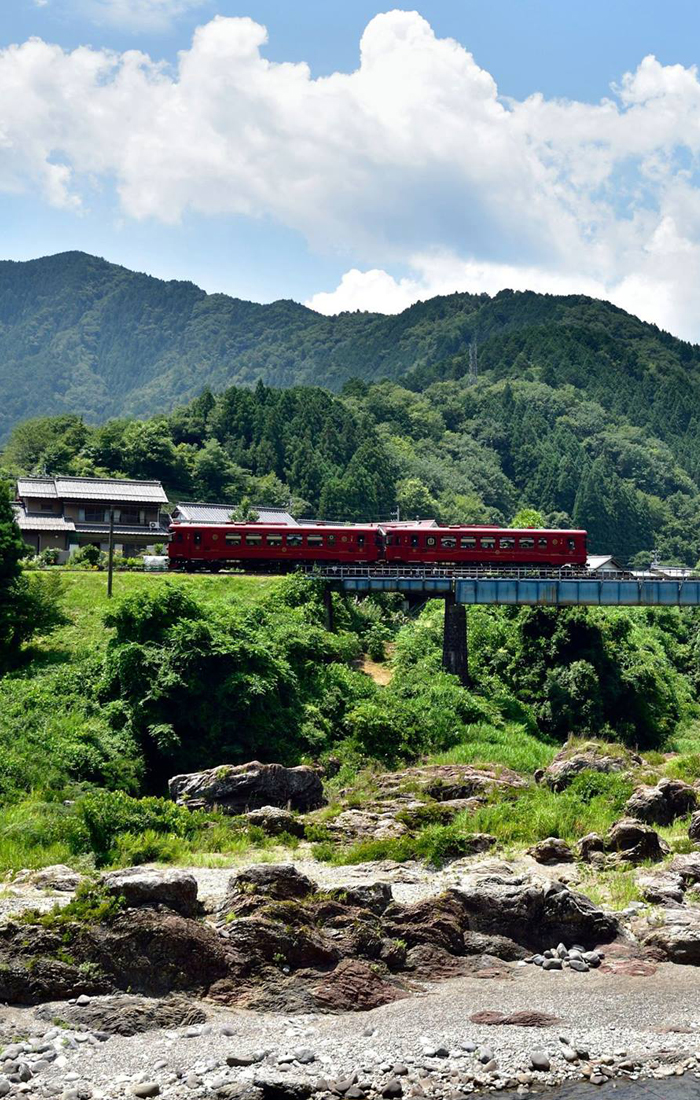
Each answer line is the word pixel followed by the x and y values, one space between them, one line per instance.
pixel 672 1088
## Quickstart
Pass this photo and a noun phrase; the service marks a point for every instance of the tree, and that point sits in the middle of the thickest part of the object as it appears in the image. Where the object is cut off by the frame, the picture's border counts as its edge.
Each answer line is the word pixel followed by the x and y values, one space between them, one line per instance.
pixel 26 608
pixel 527 517
pixel 244 513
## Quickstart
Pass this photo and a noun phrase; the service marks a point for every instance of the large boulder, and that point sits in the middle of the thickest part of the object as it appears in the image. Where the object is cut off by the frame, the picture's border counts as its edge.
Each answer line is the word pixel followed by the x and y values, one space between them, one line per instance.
pixel 694 828
pixel 445 782
pixel 687 866
pixel 634 842
pixel 278 881
pixel 678 938
pixel 662 804
pixel 275 821
pixel 660 887
pixel 591 848
pixel 141 886
pixel 128 1013
pixel 551 850
pixel 531 911
pixel 569 763
pixel 352 825
pixel 237 788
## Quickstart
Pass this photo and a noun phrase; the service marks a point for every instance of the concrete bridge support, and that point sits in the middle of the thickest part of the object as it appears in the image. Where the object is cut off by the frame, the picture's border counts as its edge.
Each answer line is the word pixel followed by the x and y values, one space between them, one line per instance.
pixel 454 642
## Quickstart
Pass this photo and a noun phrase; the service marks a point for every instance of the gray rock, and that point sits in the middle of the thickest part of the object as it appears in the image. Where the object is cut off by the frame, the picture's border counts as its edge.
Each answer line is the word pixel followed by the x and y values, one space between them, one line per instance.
pixel 148 1088
pixel 567 764
pixel 238 788
pixel 551 850
pixel 694 828
pixel 5 1086
pixel 662 804
pixel 552 964
pixel 275 820
pixel 392 1088
pixel 142 886
pixel 57 877
pixel 540 1061
pixel 304 1055
pixel 485 1055
pixel 635 842
pixel 579 965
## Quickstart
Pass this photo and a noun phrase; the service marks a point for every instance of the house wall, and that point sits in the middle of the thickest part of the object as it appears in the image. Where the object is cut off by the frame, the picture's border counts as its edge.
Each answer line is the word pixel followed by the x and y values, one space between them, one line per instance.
pixel 46 505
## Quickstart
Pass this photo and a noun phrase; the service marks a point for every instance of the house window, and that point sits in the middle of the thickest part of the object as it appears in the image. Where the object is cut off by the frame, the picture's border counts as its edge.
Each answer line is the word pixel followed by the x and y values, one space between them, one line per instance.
pixel 46 507
pixel 128 515
pixel 274 540
pixel 448 542
pixel 314 541
pixel 93 514
pixel 467 542
pixel 507 544
pixel 233 540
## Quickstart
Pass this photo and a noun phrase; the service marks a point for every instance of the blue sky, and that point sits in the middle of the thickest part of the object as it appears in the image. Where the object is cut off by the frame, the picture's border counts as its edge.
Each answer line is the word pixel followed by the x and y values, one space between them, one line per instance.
pixel 481 143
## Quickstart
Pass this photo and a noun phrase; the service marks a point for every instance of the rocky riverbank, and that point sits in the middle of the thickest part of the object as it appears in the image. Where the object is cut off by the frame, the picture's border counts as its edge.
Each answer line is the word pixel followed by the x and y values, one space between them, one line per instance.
pixel 454 1008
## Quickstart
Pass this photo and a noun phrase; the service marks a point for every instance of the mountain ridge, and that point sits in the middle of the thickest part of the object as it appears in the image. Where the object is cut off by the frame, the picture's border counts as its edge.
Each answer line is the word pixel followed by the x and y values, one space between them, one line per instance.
pixel 83 335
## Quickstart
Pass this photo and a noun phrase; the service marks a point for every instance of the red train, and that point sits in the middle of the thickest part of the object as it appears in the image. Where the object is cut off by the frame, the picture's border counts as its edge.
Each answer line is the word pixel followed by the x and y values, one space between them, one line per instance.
pixel 261 546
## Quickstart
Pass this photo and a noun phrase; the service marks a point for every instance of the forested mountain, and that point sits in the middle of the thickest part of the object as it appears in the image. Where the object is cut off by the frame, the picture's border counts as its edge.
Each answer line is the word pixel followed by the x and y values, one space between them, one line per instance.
pixel 579 410
pixel 78 334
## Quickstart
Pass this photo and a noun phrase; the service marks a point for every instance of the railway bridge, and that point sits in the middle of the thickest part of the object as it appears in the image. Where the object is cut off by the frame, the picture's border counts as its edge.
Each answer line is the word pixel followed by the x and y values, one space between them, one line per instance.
pixel 461 588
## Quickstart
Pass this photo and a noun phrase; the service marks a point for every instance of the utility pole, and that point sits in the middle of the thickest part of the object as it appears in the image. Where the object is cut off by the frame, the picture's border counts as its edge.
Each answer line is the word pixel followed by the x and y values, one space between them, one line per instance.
pixel 110 554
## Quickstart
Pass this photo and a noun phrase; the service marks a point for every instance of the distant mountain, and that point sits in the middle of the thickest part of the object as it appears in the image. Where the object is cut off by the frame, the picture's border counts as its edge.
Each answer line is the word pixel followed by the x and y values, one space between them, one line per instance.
pixel 78 334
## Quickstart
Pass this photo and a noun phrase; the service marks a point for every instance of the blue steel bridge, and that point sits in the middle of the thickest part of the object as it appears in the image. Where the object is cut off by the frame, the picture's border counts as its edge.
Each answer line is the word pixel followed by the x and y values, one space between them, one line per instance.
pixel 462 588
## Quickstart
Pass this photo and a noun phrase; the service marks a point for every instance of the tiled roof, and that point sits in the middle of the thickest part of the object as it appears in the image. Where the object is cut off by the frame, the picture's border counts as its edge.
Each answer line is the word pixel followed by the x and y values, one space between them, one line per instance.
pixel 36 487
pixel 93 488
pixel 219 513
pixel 33 521
pixel 157 533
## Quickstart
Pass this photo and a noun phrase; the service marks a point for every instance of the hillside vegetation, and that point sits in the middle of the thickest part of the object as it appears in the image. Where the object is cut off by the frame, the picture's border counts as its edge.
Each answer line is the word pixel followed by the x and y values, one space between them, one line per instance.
pixel 78 334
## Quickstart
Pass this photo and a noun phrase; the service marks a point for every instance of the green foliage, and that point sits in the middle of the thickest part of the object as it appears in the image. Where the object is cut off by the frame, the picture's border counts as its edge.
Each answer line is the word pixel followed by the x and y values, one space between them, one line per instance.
pixel 111 822
pixel 89 556
pixel 92 904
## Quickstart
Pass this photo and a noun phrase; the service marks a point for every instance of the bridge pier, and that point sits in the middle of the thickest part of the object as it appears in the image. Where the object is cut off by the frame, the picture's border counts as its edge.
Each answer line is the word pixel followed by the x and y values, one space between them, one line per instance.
pixel 455 655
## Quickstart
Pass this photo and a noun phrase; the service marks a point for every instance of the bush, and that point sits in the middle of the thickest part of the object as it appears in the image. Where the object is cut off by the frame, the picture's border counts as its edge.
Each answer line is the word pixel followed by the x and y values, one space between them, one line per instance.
pixel 88 557
pixel 106 815
pixel 132 849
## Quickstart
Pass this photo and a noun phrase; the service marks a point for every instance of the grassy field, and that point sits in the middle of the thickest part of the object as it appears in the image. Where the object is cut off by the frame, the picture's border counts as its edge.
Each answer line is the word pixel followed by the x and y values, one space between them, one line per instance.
pixel 85 601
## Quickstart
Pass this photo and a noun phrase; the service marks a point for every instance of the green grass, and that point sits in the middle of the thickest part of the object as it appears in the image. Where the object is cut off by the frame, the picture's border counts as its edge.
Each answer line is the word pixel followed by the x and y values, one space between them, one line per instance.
pixel 85 602
pixel 510 745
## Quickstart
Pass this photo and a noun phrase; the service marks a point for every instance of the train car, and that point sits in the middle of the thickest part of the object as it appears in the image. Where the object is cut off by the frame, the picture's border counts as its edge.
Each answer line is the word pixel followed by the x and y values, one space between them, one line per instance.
pixel 483 546
pixel 251 546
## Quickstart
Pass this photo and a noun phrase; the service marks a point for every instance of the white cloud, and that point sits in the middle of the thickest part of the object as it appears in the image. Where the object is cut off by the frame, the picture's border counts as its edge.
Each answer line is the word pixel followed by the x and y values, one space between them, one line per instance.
pixel 413 161
pixel 153 15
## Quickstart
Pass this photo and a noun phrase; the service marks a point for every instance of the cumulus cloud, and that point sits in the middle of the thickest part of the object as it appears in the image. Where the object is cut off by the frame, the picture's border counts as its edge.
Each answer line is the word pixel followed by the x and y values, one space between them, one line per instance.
pixel 412 162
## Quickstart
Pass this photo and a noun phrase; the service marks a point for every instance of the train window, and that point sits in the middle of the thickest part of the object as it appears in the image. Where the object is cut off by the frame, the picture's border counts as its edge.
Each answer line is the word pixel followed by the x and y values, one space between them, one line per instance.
pixel 274 540
pixel 467 542
pixel 488 543
pixel 448 542
pixel 314 541
pixel 571 543
pixel 198 538
pixel 526 544
pixel 233 540
pixel 431 540
pixel 507 544
pixel 294 540
pixel 178 536
pixel 414 540
pixel 331 540
pixel 253 540
pixel 542 543
pixel 360 540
